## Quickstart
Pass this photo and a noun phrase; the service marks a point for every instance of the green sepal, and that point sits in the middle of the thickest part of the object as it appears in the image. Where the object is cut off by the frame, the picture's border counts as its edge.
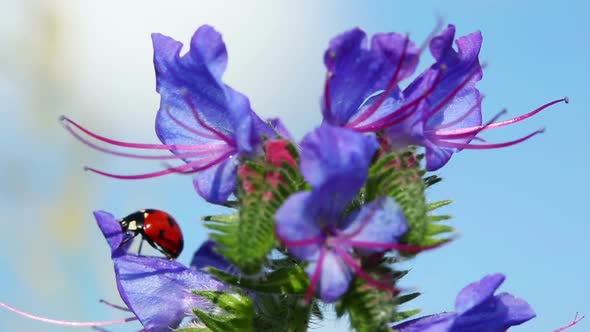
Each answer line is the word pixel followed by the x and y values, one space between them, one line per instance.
pixel 193 329
pixel 403 315
pixel 247 237
pixel 400 176
pixel 289 280
pixel 282 313
pixel 237 312
pixel 369 309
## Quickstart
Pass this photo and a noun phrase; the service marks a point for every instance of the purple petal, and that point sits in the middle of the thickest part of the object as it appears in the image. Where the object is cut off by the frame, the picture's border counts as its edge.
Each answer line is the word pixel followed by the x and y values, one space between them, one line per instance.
pixel 358 71
pixel 496 314
pixel 196 106
pixel 280 128
pixel 376 225
pixel 158 290
pixel 111 229
pixel 297 220
pixel 206 256
pixel 478 292
pixel 335 162
pixel 519 311
pixel 334 278
pixel 217 183
pixel 468 100
pixel 452 100
pixel 434 323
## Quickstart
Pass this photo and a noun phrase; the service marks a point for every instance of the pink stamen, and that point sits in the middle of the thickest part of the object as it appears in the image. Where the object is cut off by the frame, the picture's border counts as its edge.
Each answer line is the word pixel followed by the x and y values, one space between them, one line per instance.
pixel 327 99
pixel 528 115
pixel 207 149
pixel 205 125
pixel 392 84
pixel 357 269
pixel 65 322
pixel 506 122
pixel 299 243
pixel 486 146
pixel 185 169
pixel 394 246
pixel 574 322
pixel 453 93
pixel 112 305
pixel 462 117
pixel 394 118
pixel 315 277
pixel 187 128
pixel 437 28
pixel 447 135
pixel 66 121
pixel 364 223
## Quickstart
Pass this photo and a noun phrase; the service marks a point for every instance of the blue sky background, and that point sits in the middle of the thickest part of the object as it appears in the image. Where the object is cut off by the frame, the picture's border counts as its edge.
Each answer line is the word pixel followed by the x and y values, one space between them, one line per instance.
pixel 519 210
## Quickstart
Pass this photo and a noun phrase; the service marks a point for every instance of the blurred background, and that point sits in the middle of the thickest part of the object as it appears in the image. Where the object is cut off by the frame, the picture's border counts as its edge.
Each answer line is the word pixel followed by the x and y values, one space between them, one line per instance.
pixel 519 210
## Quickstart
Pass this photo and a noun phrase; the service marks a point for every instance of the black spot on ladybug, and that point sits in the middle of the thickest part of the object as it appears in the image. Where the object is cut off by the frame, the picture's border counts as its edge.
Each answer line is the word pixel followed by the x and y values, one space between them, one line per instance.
pixel 171 222
pixel 161 233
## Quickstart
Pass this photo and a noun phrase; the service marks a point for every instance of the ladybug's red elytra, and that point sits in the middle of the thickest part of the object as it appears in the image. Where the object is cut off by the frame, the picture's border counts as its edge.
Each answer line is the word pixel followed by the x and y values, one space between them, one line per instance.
pixel 156 227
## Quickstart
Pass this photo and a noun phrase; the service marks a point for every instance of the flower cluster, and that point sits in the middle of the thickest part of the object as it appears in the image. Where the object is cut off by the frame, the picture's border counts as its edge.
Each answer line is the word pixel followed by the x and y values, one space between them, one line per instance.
pixel 323 220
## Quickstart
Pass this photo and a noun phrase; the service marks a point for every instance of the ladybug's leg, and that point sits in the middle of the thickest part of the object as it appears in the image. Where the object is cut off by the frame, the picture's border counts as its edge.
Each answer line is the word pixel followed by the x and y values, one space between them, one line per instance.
pixel 127 239
pixel 158 248
pixel 139 250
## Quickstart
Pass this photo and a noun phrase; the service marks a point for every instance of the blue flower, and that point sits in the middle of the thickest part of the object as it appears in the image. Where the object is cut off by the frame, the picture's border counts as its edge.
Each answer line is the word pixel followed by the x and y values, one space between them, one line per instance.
pixel 198 109
pixel 201 120
pixel 440 110
pixel 314 226
pixel 477 309
pixel 158 291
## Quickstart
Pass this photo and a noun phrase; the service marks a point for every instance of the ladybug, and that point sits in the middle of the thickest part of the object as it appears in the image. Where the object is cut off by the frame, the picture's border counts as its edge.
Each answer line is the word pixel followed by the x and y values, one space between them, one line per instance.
pixel 156 227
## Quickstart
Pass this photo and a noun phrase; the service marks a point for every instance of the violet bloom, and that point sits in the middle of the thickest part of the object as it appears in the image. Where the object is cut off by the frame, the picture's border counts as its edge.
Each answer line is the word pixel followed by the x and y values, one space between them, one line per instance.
pixel 477 309
pixel 440 110
pixel 156 290
pixel 313 225
pixel 203 121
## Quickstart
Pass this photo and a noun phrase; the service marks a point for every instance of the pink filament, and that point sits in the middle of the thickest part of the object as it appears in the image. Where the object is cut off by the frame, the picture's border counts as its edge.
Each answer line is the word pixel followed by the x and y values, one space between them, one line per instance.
pixel 187 128
pixel 203 124
pixel 470 130
pixel 327 99
pixel 462 117
pixel 64 322
pixel 432 34
pixel 452 95
pixel 392 119
pixel 357 269
pixel 315 277
pixel 486 146
pixel 207 149
pixel 188 168
pixel 67 121
pixel 574 322
pixel 392 84
pixel 394 246
pixel 118 307
pixel 469 134
pixel 301 243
